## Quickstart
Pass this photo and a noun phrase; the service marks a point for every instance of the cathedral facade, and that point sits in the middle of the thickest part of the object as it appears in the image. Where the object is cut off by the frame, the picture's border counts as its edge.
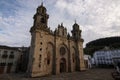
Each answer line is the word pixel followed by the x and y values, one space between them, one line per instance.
pixel 54 52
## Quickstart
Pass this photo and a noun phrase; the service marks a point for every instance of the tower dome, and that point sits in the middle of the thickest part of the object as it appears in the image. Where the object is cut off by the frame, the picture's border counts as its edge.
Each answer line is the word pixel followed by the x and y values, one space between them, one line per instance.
pixel 41 9
pixel 75 26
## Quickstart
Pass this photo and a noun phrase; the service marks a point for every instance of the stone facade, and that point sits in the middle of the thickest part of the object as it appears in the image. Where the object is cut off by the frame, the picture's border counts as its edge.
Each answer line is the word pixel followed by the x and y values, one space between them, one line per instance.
pixel 9 57
pixel 54 52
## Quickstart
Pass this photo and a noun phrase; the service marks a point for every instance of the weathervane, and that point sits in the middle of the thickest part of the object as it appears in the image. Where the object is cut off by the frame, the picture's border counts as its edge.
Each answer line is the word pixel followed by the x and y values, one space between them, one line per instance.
pixel 42 2
pixel 75 20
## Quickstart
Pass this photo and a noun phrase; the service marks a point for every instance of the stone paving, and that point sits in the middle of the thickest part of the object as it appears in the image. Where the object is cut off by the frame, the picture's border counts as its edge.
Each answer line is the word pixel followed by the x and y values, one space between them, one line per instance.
pixel 92 74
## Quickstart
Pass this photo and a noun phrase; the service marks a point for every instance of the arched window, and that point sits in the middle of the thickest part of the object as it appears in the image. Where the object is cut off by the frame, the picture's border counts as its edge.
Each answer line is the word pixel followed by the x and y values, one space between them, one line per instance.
pixel 10 64
pixel 73 57
pixel 40 49
pixel 11 55
pixel 2 64
pixel 40 56
pixel 48 58
pixel 63 32
pixel 41 43
pixel 5 55
pixel 42 20
pixel 62 51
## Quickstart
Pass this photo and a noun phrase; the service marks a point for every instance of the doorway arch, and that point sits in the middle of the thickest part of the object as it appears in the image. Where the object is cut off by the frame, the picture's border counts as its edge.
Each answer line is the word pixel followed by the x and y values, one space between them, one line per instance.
pixel 62 65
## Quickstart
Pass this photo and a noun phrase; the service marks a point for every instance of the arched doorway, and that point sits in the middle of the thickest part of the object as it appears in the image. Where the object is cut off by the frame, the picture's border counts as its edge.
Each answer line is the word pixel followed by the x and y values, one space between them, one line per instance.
pixel 62 65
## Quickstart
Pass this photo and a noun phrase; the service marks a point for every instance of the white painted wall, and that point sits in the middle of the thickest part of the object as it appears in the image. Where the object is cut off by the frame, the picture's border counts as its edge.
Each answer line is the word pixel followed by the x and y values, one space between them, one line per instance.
pixel 105 56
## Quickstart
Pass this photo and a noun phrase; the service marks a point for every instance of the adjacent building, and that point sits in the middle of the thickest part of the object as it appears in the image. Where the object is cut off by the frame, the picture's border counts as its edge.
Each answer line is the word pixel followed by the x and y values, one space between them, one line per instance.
pixel 9 57
pixel 54 52
pixel 88 61
pixel 106 57
pixel 23 61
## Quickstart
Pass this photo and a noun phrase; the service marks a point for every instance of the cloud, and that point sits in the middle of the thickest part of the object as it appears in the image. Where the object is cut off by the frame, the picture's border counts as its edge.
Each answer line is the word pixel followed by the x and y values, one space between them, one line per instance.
pixel 100 18
pixel 96 16
pixel 15 27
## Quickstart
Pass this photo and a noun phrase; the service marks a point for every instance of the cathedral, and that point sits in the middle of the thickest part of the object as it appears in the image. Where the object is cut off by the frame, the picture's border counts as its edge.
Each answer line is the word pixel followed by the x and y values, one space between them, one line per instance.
pixel 54 52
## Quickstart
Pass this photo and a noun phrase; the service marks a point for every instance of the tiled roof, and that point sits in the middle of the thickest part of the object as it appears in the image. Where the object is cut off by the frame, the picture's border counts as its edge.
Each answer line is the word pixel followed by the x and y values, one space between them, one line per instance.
pixel 8 47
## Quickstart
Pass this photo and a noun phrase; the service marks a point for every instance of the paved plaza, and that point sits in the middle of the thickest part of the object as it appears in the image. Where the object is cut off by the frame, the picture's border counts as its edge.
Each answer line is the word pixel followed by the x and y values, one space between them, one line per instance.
pixel 92 74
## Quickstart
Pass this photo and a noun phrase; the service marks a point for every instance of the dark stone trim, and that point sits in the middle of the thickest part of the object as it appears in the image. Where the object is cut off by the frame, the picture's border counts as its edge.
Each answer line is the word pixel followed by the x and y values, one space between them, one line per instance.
pixel 77 57
pixel 69 61
pixel 54 57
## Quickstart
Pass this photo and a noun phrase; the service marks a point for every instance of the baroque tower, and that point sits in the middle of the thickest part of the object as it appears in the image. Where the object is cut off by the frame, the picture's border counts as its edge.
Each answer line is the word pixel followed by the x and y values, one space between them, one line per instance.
pixel 76 35
pixel 54 52
pixel 40 19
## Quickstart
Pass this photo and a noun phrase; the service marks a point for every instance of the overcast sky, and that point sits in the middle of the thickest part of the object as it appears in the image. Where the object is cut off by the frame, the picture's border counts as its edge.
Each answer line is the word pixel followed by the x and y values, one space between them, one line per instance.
pixel 97 18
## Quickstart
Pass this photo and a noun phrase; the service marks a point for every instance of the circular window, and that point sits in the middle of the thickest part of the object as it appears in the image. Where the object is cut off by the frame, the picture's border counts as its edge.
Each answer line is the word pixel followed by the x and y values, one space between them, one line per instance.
pixel 62 51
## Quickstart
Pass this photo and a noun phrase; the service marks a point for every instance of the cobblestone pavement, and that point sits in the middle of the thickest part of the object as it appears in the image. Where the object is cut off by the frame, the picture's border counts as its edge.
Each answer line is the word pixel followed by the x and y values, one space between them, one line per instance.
pixel 92 74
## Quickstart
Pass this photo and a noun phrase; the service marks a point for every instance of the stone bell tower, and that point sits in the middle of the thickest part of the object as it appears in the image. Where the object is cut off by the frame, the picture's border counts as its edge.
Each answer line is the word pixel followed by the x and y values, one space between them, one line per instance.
pixel 76 32
pixel 36 65
pixel 76 35
pixel 40 18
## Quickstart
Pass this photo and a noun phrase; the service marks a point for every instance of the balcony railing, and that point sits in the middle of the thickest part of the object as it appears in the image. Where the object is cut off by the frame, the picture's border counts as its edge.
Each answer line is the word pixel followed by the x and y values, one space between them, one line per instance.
pixel 4 56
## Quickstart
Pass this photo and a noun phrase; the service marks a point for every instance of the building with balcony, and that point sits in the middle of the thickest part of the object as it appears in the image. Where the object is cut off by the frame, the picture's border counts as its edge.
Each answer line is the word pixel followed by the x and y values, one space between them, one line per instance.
pixel 9 57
